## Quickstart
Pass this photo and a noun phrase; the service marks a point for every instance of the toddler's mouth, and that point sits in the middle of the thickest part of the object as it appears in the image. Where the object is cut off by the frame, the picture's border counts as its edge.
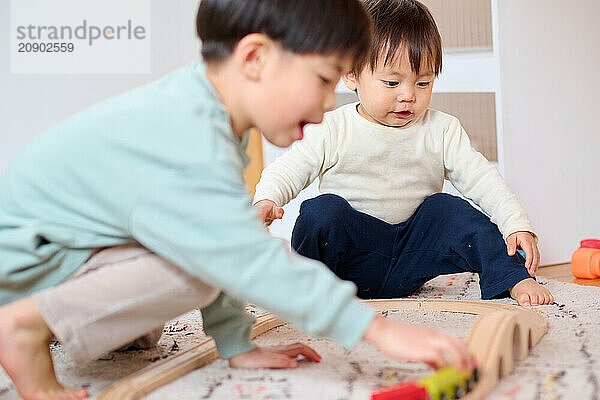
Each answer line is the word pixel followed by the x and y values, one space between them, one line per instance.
pixel 402 114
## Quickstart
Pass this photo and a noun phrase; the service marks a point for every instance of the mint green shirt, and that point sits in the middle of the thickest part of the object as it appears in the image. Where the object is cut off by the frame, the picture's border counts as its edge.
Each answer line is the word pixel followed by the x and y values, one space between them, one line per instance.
pixel 161 165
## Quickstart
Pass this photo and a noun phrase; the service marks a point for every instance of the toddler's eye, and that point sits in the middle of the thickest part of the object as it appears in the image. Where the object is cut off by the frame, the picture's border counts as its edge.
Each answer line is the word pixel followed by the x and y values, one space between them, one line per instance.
pixel 390 83
pixel 325 80
pixel 423 84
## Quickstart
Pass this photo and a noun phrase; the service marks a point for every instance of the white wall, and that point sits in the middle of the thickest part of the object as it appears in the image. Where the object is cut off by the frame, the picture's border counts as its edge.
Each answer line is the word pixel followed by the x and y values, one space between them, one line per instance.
pixel 31 103
pixel 549 63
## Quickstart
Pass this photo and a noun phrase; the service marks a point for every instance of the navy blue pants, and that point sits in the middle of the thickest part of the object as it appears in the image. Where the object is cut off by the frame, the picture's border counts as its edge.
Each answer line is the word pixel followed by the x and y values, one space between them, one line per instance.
pixel 445 235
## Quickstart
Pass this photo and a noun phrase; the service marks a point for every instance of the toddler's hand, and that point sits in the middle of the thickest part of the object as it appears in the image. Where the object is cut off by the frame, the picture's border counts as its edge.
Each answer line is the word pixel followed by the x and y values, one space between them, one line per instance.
pixel 274 357
pixel 417 343
pixel 526 242
pixel 268 211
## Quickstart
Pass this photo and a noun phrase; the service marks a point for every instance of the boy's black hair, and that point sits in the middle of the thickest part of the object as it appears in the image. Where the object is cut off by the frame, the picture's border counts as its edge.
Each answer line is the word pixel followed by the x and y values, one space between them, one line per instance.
pixel 402 25
pixel 302 26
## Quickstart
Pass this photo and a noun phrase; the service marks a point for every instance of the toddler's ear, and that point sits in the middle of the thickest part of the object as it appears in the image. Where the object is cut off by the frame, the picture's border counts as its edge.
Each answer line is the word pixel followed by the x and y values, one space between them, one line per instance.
pixel 350 80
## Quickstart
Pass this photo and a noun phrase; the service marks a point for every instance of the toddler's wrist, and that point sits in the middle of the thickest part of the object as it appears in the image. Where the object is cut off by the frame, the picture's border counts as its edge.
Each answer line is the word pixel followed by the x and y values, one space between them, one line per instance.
pixel 264 201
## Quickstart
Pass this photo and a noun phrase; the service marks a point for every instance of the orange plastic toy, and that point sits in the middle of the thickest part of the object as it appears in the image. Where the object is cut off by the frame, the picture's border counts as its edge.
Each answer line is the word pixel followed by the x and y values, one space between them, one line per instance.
pixel 585 262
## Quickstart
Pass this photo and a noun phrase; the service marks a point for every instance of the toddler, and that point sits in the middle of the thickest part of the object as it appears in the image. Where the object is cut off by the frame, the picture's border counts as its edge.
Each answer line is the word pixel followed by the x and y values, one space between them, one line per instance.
pixel 381 163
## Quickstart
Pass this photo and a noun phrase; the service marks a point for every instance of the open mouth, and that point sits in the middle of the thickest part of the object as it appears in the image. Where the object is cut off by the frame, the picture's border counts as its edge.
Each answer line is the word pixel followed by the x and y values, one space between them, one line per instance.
pixel 402 114
pixel 301 126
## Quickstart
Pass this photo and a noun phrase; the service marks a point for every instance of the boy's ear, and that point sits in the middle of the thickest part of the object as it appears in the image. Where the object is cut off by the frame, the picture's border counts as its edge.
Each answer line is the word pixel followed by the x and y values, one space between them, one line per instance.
pixel 350 80
pixel 250 54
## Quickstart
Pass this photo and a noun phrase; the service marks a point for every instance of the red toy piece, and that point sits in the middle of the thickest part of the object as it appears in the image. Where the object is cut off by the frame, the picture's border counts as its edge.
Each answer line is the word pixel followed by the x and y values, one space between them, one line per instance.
pixel 585 262
pixel 590 243
pixel 403 391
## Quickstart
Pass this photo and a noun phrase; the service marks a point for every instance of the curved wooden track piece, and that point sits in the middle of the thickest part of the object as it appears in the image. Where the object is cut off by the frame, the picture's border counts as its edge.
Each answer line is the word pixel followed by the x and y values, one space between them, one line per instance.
pixel 500 335
pixel 158 374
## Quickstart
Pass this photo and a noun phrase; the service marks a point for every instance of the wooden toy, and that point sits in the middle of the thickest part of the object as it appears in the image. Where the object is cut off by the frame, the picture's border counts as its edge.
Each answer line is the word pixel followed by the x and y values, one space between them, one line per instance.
pixel 501 334
pixel 585 262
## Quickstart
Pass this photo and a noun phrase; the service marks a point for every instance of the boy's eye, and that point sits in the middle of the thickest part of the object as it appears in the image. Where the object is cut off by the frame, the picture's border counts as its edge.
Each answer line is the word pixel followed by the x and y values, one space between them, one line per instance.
pixel 423 84
pixel 390 83
pixel 325 81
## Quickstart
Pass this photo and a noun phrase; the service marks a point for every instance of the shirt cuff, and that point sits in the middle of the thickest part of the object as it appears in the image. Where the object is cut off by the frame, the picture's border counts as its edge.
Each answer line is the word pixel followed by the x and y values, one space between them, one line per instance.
pixel 521 229
pixel 266 192
pixel 233 342
pixel 351 324
pixel 229 325
pixel 233 336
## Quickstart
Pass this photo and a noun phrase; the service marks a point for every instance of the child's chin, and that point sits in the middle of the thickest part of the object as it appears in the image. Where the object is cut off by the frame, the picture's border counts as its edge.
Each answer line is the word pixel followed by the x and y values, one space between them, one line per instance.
pixel 281 141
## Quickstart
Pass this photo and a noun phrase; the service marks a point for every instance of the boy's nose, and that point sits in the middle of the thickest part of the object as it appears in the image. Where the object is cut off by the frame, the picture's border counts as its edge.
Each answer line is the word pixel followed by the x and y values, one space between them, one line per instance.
pixel 329 101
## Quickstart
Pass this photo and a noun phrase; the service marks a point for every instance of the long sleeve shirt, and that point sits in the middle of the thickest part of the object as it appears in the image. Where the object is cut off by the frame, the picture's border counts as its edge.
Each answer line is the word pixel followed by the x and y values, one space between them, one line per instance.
pixel 387 172
pixel 160 165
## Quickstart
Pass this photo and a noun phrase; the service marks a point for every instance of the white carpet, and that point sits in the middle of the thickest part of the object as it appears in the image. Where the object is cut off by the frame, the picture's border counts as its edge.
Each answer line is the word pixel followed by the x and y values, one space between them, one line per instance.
pixel 564 365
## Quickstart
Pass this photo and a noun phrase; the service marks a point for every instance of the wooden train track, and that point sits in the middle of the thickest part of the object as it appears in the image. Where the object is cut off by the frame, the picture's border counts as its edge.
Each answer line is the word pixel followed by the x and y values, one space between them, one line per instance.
pixel 502 334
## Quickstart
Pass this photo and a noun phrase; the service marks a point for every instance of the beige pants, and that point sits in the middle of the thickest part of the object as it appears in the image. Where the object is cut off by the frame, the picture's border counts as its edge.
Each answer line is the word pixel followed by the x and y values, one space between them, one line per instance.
pixel 121 295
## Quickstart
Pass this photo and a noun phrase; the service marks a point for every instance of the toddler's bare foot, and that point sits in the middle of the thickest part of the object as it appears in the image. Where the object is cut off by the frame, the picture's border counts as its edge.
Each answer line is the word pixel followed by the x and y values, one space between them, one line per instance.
pixel 25 356
pixel 530 293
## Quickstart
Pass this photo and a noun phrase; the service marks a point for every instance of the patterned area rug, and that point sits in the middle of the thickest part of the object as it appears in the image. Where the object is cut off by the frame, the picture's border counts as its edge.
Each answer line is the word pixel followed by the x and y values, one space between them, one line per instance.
pixel 564 365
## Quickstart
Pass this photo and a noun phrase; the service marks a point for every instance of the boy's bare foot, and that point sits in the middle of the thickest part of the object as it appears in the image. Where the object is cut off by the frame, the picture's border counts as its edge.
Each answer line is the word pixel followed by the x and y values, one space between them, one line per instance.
pixel 530 293
pixel 25 355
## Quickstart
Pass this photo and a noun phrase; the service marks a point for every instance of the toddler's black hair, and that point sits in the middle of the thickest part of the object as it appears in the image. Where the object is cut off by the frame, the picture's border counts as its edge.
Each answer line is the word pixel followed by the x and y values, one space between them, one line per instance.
pixel 405 25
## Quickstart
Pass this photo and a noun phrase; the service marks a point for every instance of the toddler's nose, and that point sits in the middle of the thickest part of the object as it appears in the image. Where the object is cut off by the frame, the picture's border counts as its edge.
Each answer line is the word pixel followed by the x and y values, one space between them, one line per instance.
pixel 406 95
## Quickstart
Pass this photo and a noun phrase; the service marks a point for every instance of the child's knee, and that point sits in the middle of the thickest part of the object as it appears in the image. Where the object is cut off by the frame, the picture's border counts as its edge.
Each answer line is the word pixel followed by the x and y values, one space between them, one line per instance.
pixel 148 340
pixel 211 294
pixel 322 211
pixel 450 208
pixel 444 202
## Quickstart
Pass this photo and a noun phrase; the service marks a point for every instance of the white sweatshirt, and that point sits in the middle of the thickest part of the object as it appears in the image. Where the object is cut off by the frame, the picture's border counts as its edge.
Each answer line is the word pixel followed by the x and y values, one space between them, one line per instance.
pixel 388 172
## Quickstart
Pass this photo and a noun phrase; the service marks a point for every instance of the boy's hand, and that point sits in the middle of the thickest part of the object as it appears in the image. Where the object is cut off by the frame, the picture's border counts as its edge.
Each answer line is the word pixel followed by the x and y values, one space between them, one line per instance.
pixel 526 242
pixel 417 343
pixel 274 357
pixel 268 211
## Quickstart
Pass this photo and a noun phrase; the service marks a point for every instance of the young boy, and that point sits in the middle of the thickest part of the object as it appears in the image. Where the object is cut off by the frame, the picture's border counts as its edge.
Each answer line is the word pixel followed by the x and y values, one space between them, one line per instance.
pixel 145 193
pixel 382 162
